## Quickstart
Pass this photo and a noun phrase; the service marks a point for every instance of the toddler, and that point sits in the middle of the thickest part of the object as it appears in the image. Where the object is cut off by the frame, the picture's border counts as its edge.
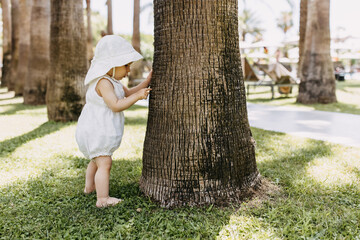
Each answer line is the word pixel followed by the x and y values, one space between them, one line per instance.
pixel 101 123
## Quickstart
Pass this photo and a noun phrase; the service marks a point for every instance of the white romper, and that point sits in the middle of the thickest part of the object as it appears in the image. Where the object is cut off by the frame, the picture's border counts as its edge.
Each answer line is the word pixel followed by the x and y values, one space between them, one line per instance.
pixel 99 130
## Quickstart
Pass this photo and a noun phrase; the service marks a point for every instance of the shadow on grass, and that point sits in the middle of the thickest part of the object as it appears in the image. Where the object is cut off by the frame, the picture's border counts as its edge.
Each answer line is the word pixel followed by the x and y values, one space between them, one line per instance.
pixel 135 107
pixel 14 108
pixel 306 203
pixel 53 206
pixel 338 107
pixel 136 120
pixel 10 145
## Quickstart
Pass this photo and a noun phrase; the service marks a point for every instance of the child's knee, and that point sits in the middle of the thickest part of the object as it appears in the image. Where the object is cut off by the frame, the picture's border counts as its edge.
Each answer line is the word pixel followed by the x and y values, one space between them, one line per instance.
pixel 103 162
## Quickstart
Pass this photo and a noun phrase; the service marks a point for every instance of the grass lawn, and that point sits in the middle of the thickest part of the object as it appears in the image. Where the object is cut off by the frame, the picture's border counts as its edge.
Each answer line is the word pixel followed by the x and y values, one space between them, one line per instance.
pixel 347 92
pixel 315 193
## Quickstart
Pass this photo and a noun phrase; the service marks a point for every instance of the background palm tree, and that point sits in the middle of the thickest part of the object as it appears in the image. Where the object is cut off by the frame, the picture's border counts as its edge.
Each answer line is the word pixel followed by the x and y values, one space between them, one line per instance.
pixel 24 45
pixel 285 23
pixel 68 61
pixel 302 30
pixel 6 18
pixel 198 147
pixel 317 75
pixel 137 67
pixel 89 37
pixel 249 24
pixel 15 36
pixel 110 20
pixel 39 55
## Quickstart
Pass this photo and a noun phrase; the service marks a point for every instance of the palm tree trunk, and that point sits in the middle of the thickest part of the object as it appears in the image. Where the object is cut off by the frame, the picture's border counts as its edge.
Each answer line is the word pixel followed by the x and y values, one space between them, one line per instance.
pixel 198 147
pixel 65 87
pixel 136 68
pixel 89 32
pixel 15 36
pixel 317 76
pixel 110 20
pixel 39 56
pixel 24 46
pixel 6 18
pixel 136 26
pixel 303 20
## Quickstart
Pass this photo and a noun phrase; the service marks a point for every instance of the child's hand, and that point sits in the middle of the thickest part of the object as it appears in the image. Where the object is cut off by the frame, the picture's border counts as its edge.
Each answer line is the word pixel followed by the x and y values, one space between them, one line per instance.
pixel 148 79
pixel 143 93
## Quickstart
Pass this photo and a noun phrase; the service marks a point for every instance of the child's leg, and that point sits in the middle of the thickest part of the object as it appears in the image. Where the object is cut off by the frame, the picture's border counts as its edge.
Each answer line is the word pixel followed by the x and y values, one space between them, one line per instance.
pixel 102 182
pixel 90 177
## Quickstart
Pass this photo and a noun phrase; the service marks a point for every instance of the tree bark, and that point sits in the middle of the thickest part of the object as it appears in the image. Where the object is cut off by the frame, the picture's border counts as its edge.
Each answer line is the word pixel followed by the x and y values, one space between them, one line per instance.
pixel 136 26
pixel 137 67
pixel 24 46
pixel 65 87
pixel 15 36
pixel 317 75
pixel 303 20
pixel 39 56
pixel 6 17
pixel 110 20
pixel 198 147
pixel 89 32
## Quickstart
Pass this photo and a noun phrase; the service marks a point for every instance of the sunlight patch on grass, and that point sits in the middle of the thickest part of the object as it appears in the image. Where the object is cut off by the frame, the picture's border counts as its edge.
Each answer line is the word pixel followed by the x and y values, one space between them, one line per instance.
pixel 337 171
pixel 246 227
pixel 32 158
pixel 13 125
pixel 134 134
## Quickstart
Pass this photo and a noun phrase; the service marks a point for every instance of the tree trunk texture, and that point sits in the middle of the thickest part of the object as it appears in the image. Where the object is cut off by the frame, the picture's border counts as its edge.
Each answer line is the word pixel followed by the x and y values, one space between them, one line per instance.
pixel 39 56
pixel 110 20
pixel 90 51
pixel 137 67
pixel 198 147
pixel 136 26
pixel 303 20
pixel 15 36
pixel 65 87
pixel 24 46
pixel 6 18
pixel 317 76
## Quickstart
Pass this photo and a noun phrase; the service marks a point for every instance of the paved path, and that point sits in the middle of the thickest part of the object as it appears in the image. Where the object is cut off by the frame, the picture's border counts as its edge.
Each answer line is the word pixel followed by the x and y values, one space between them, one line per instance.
pixel 340 128
pixel 328 126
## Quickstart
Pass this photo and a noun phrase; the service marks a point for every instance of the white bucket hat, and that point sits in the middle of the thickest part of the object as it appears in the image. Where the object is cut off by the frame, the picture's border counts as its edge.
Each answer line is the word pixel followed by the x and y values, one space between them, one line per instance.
pixel 111 51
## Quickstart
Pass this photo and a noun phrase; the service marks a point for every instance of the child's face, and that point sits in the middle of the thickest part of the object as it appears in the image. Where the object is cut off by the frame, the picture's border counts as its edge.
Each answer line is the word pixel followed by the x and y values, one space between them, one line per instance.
pixel 120 72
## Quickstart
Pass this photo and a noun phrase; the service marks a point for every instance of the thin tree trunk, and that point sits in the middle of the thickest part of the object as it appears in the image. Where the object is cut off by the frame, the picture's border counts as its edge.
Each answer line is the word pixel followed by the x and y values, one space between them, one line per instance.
pixel 6 17
pixel 65 87
pixel 39 56
pixel 317 76
pixel 136 26
pixel 15 36
pixel 89 32
pixel 24 46
pixel 137 67
pixel 198 147
pixel 110 20
pixel 303 20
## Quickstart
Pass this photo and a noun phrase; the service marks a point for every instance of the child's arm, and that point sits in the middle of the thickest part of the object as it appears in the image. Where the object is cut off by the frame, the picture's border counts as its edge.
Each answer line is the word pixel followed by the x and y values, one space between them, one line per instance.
pixel 107 92
pixel 142 85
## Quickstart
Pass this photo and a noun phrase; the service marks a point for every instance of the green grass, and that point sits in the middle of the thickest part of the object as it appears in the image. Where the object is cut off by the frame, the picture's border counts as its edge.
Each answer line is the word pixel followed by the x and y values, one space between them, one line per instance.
pixel 315 188
pixel 347 92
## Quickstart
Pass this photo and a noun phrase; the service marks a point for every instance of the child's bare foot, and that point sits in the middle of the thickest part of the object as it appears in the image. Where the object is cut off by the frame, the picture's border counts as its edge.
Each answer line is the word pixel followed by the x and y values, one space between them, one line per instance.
pixel 89 190
pixel 106 202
